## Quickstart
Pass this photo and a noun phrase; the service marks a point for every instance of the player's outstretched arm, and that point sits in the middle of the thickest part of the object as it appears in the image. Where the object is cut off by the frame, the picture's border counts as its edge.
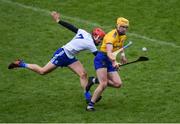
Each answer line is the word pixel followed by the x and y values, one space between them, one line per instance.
pixel 56 17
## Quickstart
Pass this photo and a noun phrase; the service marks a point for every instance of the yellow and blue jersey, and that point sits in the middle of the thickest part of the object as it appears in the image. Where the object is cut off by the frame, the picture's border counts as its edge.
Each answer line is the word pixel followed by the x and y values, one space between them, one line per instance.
pixel 113 38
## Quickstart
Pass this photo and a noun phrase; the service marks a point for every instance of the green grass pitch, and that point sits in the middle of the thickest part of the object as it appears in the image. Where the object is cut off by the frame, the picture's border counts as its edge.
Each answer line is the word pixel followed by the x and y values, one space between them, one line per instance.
pixel 150 91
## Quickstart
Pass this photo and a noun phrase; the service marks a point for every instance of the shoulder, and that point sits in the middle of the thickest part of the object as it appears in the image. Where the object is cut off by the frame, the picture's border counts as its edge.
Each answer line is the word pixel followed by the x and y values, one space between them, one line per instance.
pixel 112 32
pixel 111 35
pixel 82 31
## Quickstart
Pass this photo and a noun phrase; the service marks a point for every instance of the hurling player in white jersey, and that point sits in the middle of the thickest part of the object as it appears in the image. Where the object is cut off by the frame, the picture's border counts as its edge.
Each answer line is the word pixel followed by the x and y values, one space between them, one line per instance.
pixel 65 55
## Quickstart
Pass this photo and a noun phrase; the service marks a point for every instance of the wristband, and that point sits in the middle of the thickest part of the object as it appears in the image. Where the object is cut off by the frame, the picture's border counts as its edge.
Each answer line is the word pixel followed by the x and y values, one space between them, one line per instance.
pixel 123 54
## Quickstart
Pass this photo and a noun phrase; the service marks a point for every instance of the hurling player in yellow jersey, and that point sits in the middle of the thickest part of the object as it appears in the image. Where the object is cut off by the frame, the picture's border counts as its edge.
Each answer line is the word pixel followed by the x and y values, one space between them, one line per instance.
pixel 104 62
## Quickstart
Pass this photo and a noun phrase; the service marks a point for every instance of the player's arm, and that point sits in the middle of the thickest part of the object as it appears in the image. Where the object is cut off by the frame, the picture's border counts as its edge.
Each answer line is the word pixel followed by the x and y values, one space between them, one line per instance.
pixel 68 26
pixel 56 17
pixel 109 48
pixel 123 57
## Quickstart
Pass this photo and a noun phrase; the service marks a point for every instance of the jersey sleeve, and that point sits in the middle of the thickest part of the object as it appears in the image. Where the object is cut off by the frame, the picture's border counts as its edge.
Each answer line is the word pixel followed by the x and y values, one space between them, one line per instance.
pixel 93 48
pixel 68 26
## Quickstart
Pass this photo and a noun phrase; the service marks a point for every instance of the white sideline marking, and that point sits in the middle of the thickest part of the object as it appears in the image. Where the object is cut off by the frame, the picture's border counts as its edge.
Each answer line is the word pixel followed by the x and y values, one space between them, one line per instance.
pixel 47 12
pixel 154 40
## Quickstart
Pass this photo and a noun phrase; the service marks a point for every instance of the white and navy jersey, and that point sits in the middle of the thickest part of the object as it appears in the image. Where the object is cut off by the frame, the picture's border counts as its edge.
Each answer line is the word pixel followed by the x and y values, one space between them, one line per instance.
pixel 80 42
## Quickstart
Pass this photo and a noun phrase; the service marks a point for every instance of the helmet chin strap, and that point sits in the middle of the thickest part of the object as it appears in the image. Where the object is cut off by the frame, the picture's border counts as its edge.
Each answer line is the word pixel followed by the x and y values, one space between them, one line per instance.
pixel 95 39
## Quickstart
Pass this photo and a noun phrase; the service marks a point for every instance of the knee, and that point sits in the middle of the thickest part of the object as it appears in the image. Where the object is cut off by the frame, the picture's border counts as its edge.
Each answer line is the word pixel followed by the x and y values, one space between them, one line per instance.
pixel 42 72
pixel 83 75
pixel 103 85
pixel 118 84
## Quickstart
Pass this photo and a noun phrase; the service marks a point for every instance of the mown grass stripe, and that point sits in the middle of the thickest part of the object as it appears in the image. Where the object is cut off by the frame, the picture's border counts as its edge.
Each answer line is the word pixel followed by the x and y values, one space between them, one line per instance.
pixel 47 12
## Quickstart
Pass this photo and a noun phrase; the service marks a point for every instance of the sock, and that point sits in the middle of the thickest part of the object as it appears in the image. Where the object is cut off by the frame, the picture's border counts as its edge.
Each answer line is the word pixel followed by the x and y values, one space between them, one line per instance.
pixel 95 80
pixel 87 95
pixel 91 104
pixel 22 64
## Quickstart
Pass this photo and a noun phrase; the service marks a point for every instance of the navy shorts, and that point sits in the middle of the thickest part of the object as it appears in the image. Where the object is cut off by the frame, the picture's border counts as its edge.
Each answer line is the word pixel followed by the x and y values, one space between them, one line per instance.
pixel 102 61
pixel 60 58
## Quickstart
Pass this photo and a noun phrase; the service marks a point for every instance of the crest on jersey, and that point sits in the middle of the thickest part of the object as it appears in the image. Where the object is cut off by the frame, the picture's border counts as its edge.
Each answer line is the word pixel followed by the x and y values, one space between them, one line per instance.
pixel 80 36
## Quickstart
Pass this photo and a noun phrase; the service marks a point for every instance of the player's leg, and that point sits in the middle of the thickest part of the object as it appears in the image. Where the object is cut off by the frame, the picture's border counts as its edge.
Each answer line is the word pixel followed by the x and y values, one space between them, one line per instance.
pixel 99 62
pixel 58 59
pixel 34 67
pixel 114 79
pixel 42 70
pixel 102 77
pixel 78 68
pixel 91 81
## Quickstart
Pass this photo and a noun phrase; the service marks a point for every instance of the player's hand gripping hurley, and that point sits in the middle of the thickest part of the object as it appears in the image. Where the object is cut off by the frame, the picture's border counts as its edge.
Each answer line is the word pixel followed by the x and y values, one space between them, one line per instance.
pixel 115 53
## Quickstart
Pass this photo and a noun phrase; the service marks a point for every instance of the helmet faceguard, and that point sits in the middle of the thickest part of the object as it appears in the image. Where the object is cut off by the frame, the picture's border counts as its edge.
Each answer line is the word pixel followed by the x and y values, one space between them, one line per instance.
pixel 98 35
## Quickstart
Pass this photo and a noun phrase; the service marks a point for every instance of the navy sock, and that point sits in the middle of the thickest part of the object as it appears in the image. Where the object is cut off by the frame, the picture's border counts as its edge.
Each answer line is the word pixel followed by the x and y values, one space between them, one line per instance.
pixel 87 95
pixel 96 81
pixel 91 103
pixel 23 64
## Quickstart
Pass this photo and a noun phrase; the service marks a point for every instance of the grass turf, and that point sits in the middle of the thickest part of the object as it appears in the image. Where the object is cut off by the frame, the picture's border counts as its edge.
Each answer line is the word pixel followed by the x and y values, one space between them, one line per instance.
pixel 150 91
